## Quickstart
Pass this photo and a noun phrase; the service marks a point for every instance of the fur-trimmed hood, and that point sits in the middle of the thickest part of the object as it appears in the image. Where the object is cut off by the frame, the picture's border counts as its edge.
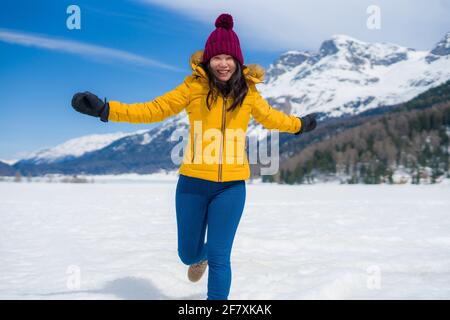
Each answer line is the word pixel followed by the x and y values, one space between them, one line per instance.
pixel 252 72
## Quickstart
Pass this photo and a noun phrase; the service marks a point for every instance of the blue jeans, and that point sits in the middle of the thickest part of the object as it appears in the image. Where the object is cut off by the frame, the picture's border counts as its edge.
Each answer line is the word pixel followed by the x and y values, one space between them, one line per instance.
pixel 218 206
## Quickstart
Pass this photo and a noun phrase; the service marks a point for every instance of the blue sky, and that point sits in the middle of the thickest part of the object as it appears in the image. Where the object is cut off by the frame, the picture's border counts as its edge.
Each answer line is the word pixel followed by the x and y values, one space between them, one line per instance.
pixel 135 50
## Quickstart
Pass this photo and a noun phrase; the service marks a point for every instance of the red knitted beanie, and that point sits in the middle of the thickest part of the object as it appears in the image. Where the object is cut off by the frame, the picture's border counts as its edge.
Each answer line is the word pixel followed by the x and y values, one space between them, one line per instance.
pixel 223 40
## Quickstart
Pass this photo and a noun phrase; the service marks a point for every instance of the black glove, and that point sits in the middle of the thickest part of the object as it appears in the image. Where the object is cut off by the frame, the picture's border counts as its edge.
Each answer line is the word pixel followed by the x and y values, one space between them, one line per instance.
pixel 308 123
pixel 88 103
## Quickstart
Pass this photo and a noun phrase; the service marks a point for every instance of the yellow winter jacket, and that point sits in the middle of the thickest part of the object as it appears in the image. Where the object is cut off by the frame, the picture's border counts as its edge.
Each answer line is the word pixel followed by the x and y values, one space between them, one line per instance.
pixel 216 147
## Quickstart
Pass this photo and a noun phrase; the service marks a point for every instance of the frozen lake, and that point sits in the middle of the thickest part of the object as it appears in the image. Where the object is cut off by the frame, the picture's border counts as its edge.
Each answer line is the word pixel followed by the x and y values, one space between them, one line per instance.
pixel 118 241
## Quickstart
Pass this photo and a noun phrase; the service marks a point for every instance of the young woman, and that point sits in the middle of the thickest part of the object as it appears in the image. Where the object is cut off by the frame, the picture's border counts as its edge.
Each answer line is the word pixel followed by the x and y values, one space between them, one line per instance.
pixel 219 98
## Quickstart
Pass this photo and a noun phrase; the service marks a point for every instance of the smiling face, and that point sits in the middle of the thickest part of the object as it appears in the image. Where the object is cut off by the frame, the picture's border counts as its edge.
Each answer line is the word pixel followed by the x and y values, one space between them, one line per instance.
pixel 223 66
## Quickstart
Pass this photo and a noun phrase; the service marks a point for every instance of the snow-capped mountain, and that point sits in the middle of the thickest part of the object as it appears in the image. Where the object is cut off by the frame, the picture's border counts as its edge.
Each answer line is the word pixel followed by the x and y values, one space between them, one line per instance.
pixel 442 48
pixel 77 147
pixel 345 77
pixel 6 169
pixel 143 151
pixel 348 76
pixel 9 161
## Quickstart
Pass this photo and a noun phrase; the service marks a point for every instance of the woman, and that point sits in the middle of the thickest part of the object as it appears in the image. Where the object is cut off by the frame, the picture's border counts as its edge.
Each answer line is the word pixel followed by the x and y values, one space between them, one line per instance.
pixel 219 98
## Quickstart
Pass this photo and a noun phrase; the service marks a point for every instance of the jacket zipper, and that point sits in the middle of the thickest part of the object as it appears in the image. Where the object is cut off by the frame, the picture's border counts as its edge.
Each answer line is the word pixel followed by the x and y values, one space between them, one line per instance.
pixel 224 114
pixel 193 149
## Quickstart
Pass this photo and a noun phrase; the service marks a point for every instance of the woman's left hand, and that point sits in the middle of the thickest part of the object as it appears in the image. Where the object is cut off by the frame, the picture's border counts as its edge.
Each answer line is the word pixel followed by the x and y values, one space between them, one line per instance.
pixel 309 123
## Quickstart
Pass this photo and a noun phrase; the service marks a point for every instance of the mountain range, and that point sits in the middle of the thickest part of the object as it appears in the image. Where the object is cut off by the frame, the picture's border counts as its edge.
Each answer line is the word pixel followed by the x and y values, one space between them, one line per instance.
pixel 345 78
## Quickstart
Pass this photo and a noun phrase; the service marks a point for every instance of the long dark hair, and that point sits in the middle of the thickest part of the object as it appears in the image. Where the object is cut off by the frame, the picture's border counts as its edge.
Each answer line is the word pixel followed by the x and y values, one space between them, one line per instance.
pixel 236 87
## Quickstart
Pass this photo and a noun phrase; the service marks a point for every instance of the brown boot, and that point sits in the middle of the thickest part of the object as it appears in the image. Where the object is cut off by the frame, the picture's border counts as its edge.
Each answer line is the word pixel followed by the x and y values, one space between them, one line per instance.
pixel 196 271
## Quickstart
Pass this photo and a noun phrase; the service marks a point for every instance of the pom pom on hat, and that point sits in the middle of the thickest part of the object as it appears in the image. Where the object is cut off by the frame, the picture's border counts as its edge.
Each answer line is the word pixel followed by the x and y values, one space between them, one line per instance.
pixel 224 21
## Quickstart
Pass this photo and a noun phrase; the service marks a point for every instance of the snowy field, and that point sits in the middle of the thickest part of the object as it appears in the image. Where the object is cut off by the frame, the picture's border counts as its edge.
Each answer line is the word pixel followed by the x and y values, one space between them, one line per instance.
pixel 118 241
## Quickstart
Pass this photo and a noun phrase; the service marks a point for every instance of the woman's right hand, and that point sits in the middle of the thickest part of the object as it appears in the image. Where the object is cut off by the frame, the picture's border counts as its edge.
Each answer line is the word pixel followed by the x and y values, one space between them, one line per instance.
pixel 88 103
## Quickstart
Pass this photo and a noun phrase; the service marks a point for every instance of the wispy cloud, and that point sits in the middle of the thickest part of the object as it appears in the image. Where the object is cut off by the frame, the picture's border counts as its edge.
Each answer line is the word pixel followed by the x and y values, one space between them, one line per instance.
pixel 80 48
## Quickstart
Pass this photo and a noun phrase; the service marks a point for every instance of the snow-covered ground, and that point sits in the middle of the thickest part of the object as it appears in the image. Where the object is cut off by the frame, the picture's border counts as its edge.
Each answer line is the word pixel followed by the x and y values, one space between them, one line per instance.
pixel 169 176
pixel 118 241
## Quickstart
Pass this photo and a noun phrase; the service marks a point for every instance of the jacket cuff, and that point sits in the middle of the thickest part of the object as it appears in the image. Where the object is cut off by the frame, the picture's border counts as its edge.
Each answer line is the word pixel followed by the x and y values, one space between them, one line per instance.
pixel 105 113
pixel 301 127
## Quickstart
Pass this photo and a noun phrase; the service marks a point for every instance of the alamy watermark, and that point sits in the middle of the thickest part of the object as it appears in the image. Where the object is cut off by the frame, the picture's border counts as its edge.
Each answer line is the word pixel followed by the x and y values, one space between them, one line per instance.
pixel 74 20
pixel 374 19
pixel 373 278
pixel 229 147
pixel 74 277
